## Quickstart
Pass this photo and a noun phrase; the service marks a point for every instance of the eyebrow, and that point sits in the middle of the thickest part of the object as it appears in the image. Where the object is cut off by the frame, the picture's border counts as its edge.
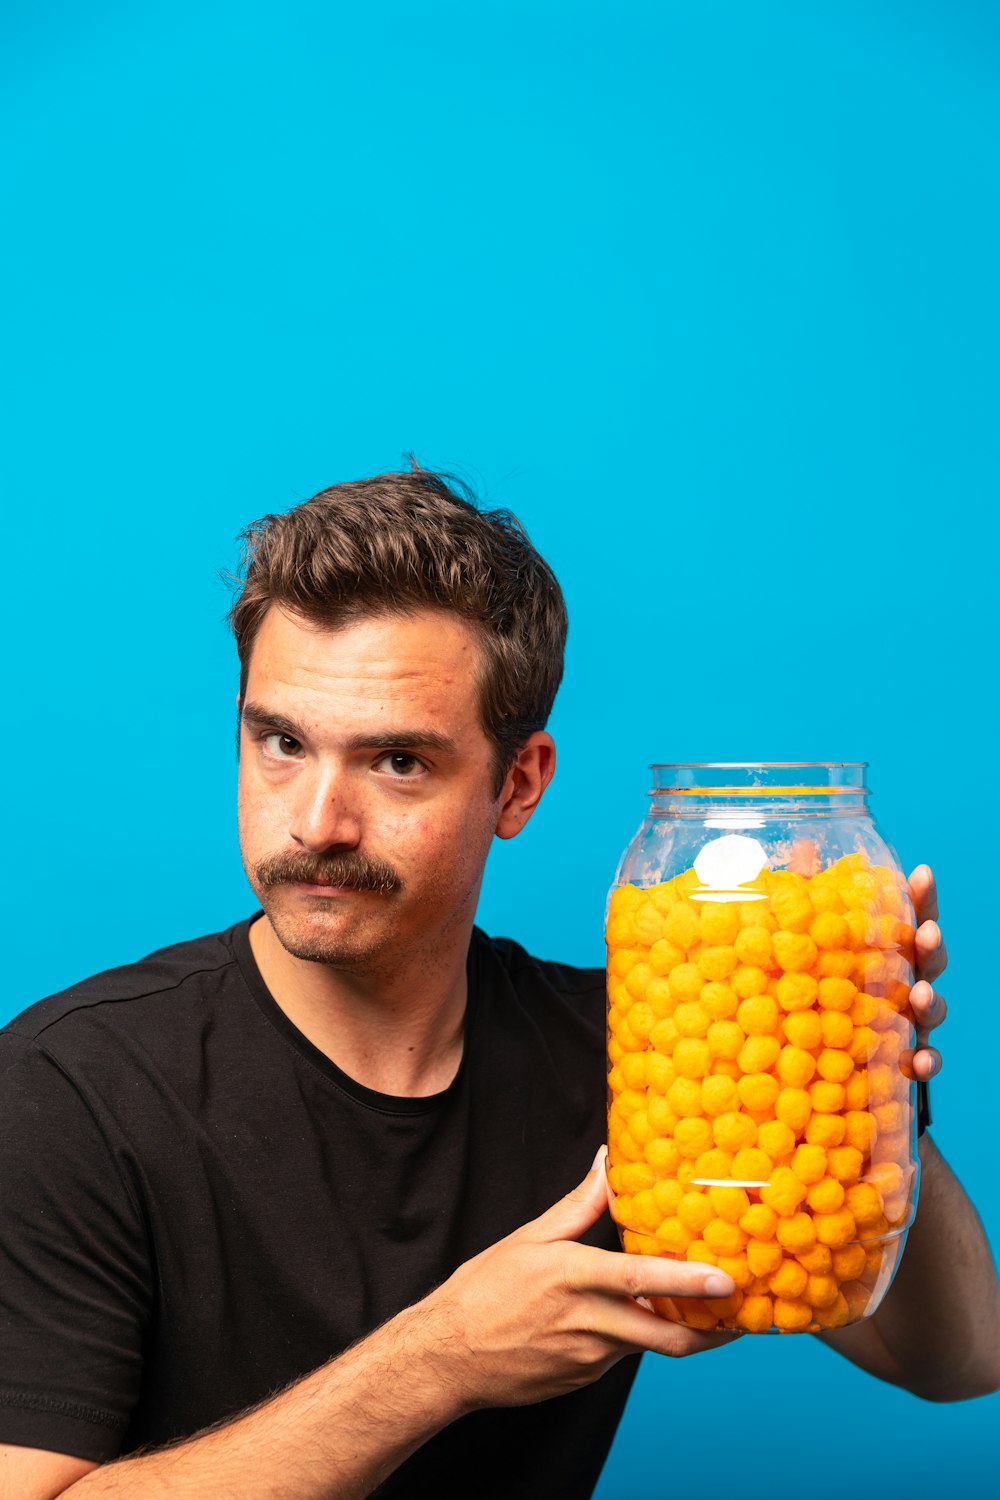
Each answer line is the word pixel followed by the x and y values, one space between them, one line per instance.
pixel 259 717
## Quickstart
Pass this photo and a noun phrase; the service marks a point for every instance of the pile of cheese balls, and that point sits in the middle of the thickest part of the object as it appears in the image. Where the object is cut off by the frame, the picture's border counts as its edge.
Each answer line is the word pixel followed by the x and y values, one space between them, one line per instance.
pixel 759 1111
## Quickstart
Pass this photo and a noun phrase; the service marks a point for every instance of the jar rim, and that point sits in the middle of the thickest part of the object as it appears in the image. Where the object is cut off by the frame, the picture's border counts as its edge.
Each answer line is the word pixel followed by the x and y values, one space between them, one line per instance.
pixel 746 765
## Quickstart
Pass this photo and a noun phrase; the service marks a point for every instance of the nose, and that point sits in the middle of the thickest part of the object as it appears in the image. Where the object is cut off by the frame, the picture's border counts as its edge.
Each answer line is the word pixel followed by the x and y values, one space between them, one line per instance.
pixel 322 818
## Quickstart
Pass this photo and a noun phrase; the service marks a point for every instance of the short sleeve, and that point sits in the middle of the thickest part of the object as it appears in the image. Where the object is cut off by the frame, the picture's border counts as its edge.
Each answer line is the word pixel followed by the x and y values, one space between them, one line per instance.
pixel 75 1274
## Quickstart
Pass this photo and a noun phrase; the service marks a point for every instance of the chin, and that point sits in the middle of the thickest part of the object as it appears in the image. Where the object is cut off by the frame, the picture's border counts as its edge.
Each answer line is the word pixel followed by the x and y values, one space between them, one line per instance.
pixel 317 940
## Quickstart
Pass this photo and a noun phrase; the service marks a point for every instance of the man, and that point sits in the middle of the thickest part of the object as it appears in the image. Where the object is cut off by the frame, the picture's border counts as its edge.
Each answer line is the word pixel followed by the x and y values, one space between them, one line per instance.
pixel 296 1210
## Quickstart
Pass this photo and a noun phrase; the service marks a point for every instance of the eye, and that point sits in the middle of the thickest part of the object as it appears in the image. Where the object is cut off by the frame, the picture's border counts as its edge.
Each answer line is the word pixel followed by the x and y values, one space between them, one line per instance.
pixel 281 746
pixel 400 765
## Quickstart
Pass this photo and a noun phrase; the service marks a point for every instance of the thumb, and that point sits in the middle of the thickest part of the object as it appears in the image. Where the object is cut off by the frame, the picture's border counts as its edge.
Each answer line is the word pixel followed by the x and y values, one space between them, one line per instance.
pixel 581 1207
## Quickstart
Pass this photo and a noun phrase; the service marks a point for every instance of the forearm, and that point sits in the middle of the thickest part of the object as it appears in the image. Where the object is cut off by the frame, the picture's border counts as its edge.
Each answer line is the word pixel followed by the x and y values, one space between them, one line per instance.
pixel 334 1435
pixel 938 1327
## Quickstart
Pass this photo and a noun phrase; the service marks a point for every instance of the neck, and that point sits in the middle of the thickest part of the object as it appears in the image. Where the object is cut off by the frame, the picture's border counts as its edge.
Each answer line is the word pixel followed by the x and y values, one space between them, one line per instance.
pixel 398 1033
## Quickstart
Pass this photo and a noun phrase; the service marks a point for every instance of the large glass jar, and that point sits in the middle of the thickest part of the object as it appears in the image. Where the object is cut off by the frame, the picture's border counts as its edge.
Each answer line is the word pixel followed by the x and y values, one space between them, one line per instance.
pixel 760 1100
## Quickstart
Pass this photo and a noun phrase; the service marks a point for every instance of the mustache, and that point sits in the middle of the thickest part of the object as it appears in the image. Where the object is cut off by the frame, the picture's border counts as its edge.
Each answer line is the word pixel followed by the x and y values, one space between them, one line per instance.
pixel 359 872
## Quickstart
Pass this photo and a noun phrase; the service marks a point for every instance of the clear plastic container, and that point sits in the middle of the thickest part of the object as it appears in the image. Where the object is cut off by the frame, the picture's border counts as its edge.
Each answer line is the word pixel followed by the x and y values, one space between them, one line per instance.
pixel 761 1109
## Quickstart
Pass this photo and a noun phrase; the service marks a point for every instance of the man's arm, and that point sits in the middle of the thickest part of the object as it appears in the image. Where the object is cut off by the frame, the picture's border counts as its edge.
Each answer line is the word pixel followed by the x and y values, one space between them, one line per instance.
pixel 937 1331
pixel 534 1316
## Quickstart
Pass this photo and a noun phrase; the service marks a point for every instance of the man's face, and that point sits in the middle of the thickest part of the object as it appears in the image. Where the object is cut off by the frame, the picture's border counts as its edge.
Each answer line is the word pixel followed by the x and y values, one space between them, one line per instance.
pixel 365 799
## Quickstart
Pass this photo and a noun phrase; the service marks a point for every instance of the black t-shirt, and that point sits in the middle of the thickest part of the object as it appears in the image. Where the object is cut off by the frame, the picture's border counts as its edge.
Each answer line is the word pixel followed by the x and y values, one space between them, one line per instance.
pixel 197 1207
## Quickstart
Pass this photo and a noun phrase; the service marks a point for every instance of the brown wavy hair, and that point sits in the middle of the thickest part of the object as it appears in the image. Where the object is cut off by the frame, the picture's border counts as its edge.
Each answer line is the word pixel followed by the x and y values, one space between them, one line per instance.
pixel 400 542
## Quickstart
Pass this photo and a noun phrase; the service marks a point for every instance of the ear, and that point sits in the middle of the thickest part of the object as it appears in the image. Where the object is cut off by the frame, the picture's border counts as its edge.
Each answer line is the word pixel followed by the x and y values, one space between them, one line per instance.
pixel 526 781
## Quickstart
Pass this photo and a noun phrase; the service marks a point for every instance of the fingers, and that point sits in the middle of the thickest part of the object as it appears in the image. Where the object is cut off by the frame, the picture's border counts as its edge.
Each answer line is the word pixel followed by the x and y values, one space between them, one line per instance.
pixel 928 1006
pixel 931 953
pixel 921 1063
pixel 633 1327
pixel 574 1214
pixel 588 1269
pixel 923 893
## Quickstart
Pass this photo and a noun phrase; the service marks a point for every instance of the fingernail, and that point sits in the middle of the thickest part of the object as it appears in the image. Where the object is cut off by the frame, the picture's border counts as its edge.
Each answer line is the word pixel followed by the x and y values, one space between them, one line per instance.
pixel 598 1161
pixel 719 1285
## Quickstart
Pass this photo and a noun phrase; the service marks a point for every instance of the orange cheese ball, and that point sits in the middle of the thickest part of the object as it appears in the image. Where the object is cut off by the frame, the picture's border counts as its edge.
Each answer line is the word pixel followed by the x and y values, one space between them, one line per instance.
pixel 822 1291
pixel 834 1065
pixel 834 1316
pixel 634 1070
pixel 809 1164
pixel 734 1130
pixel 736 1267
pixel 724 1238
pixel 796 992
pixel 864 1045
pixel 719 1000
pixel 660 998
pixel 845 1163
pixel 717 963
pixel 664 956
pixel 857 1090
pixel 836 964
pixel 764 1256
pixel 836 993
pixel 662 1155
pixel 793 1106
pixel 792 907
pixel 796 1234
pixel 747 981
pixel 684 1097
pixel 729 1203
pixel 803 1029
pixel 759 1221
pixel 826 1196
pixel 827 1098
pixel 752 946
pixel 865 1203
pixel 757 1091
pixel 725 1038
pixel 789 1280
pixel 795 1066
pixel 825 1130
pixel 791 1315
pixel 714 1164
pixel 660 1115
pixel 673 1236
pixel 668 1194
pixel 848 1262
pixel 693 1136
pixel 719 922
pixel 755 1314
pixel 695 1211
pixel 828 930
pixel 864 1009
pixel 660 1072
pixel 836 1029
pixel 817 1261
pixel 718 1095
pixel 685 981
pixel 664 1036
pixel 835 1229
pixel 636 980
pixel 794 951
pixel 691 1019
pixel 758 1054
pixel 692 1057
pixel 776 1138
pixel 758 1016
pixel 682 925
pixel 645 1211
pixel 752 1165
pixel 785 1192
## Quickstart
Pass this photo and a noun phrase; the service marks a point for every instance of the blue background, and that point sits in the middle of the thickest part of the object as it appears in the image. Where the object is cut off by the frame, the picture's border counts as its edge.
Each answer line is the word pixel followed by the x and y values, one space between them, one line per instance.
pixel 706 293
